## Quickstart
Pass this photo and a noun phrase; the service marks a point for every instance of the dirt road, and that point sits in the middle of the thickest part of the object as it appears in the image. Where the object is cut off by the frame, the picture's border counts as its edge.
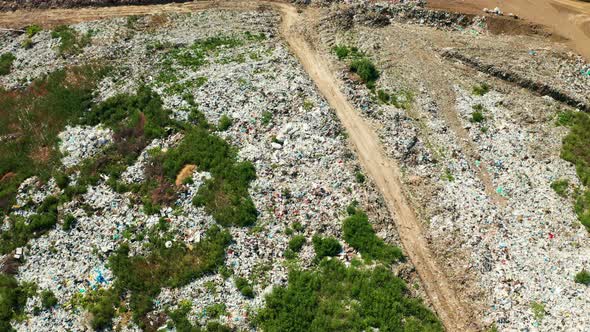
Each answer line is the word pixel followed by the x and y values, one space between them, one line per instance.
pixel 455 315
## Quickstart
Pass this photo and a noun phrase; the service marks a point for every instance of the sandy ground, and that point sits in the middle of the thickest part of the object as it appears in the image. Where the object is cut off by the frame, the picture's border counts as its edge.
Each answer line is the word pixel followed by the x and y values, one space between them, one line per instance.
pixel 567 18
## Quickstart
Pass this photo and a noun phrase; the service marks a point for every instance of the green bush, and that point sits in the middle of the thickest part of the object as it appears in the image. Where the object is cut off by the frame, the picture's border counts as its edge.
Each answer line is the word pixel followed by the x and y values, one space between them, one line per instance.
pixel 359 177
pixel 343 52
pixel 6 61
pixel 583 277
pixel 296 243
pixel 481 89
pixel 48 299
pixel 224 123
pixel 477 117
pixel 244 287
pixel 325 246
pixel 366 71
pixel 359 233
pixel 336 298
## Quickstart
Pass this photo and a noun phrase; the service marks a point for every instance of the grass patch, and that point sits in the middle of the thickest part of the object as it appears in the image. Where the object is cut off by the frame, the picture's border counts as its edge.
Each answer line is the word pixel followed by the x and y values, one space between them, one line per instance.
pixel 336 298
pixel 224 123
pixel 575 150
pixel 20 231
pixel 71 42
pixel 6 61
pixel 31 120
pixel 400 99
pixel 359 233
pixel 142 276
pixel 48 299
pixel 180 322
pixel 343 52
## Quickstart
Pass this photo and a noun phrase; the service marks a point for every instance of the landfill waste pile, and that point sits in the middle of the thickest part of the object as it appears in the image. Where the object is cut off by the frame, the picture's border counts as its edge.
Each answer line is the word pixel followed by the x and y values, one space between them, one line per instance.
pixel 483 160
pixel 201 175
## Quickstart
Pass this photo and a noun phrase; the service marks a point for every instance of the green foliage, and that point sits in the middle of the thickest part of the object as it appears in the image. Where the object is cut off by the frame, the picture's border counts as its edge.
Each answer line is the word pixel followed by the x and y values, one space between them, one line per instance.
pixel 480 89
pixel 181 323
pixel 401 99
pixel 266 117
pixel 244 287
pixel 69 222
pixel 366 71
pixel 538 309
pixel 336 298
pixel 142 112
pixel 225 196
pixel 48 299
pixel 560 187
pixel 6 61
pixel 32 30
pixel 477 117
pixel 575 150
pixel 296 243
pixel 297 226
pixel 216 310
pixel 71 42
pixel 359 233
pixel 565 118
pixel 101 304
pixel 20 232
pixel 343 52
pixel 13 298
pixel 144 276
pixel 35 116
pixel 224 123
pixel 583 277
pixel 359 177
pixel 325 246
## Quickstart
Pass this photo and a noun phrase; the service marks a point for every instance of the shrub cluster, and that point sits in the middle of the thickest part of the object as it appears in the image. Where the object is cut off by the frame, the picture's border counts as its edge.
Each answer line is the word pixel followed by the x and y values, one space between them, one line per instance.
pixel 225 196
pixel 13 298
pixel 244 287
pixel 297 242
pixel 336 298
pixel 180 322
pixel 143 276
pixel 48 299
pixel 325 247
pixel 6 61
pixel 366 71
pixel 20 231
pixel 481 89
pixel 359 233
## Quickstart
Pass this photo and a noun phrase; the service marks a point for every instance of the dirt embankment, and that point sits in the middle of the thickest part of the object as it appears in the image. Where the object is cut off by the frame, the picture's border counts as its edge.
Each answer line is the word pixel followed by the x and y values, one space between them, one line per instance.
pixel 569 19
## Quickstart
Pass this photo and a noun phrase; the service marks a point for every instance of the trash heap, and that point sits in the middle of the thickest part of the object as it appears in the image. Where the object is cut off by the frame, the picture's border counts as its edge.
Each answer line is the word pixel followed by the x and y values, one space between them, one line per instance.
pixel 306 175
pixel 513 254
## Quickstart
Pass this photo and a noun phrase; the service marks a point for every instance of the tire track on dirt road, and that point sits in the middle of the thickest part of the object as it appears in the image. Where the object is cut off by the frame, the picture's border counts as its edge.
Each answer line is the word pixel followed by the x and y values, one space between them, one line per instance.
pixel 454 313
